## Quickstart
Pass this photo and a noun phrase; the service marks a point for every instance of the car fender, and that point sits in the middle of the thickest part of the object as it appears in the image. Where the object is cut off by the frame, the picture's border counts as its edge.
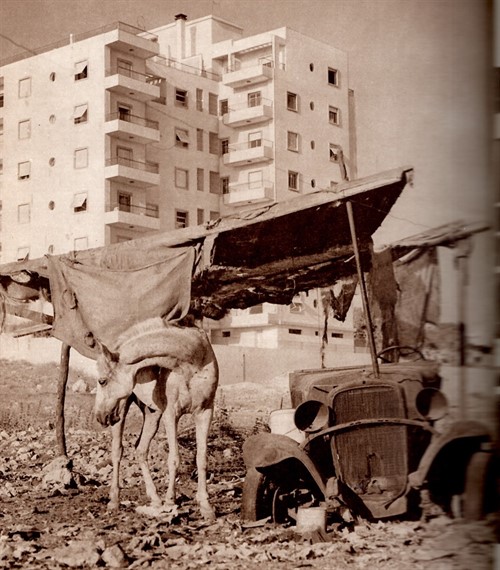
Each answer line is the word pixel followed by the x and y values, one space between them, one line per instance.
pixel 457 430
pixel 268 449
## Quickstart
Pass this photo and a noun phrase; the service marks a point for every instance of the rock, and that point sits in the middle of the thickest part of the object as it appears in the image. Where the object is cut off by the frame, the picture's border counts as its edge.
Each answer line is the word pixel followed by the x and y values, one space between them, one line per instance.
pixel 58 473
pixel 115 557
pixel 80 386
pixel 77 553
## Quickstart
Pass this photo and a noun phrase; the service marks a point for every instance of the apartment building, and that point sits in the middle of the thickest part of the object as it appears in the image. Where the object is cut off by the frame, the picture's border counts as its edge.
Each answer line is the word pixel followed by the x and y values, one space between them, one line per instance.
pixel 120 132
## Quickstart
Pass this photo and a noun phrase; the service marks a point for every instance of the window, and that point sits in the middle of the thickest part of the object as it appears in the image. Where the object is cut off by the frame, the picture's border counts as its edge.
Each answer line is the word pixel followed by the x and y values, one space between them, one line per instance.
pixel 293 141
pixel 181 178
pixel 223 107
pixel 256 309
pixel 214 215
pixel 214 183
pixel 254 99
pixel 337 335
pixel 333 115
pixel 23 170
pixel 212 103
pixel 200 216
pixel 226 334
pixel 255 179
pixel 1 100
pixel 124 67
pixel 292 101
pixel 199 139
pixel 224 146
pixel 124 201
pixel 293 180
pixel 181 98
pixel 23 253
pixel 333 77
pixel 24 130
pixel 124 112
pixel 81 243
pixel 199 99
pixel 213 143
pixel 181 219
pixel 80 202
pixel 152 210
pixel 200 179
pixel 81 70
pixel 334 152
pixel 24 87
pixel 1 127
pixel 80 114
pixel 181 138
pixel 23 213
pixel 1 165
pixel 294 331
pixel 81 158
pixel 255 139
pixel 224 184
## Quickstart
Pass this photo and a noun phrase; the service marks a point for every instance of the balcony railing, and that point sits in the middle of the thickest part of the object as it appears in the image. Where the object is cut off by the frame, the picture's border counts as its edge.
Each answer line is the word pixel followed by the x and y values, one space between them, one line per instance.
pixel 237 65
pixel 250 144
pixel 127 72
pixel 152 167
pixel 150 211
pixel 133 119
pixel 256 102
pixel 169 62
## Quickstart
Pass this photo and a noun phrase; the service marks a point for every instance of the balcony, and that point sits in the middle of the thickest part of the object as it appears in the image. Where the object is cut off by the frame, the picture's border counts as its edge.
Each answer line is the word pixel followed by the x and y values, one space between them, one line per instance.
pixel 140 86
pixel 128 171
pixel 249 193
pixel 132 40
pixel 242 115
pixel 249 153
pixel 247 76
pixel 129 216
pixel 131 127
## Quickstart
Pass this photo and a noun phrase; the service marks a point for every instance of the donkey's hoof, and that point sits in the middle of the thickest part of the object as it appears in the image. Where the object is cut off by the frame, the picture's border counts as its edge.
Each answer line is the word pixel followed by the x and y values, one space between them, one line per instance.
pixel 208 514
pixel 113 506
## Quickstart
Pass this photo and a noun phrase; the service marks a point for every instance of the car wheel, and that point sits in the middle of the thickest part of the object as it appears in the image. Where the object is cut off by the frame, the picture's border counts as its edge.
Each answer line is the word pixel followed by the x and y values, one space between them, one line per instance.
pixel 478 478
pixel 262 498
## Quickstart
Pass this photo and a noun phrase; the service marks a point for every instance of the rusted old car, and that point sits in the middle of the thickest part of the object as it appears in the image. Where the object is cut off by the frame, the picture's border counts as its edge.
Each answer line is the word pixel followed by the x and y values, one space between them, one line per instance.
pixel 367 447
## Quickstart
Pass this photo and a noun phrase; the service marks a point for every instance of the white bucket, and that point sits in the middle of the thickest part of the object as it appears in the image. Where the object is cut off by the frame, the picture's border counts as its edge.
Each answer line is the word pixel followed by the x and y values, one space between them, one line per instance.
pixel 310 519
pixel 281 422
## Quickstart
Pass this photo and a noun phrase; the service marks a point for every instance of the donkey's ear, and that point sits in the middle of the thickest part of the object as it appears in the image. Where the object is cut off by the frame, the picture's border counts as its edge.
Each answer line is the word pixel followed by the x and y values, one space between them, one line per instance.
pixel 108 354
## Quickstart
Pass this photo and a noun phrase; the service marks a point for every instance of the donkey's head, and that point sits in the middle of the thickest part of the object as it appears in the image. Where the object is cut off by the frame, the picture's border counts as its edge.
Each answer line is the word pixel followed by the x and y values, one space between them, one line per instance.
pixel 114 385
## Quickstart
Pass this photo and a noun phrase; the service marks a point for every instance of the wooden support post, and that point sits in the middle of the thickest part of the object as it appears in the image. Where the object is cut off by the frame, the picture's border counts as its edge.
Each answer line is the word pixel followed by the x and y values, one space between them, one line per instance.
pixel 61 397
pixel 364 295
pixel 462 258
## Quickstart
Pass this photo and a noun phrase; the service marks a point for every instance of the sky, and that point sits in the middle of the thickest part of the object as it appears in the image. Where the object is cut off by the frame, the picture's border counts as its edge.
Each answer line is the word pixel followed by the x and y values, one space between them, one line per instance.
pixel 418 69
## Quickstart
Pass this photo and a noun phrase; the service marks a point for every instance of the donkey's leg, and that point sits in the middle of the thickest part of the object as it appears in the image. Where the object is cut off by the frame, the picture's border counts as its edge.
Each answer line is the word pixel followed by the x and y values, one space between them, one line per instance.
pixel 116 456
pixel 202 420
pixel 149 428
pixel 171 418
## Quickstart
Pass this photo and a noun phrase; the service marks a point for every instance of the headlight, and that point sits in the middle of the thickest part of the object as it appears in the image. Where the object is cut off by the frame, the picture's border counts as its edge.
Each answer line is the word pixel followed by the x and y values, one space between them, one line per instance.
pixel 312 416
pixel 431 404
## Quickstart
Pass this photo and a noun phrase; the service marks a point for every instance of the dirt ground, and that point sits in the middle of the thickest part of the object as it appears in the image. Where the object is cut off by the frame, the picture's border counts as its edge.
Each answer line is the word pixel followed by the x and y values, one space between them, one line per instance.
pixel 45 525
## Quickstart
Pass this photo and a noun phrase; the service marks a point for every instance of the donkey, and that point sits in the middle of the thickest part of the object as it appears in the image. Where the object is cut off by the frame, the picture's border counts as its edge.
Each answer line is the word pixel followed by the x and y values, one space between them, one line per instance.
pixel 168 370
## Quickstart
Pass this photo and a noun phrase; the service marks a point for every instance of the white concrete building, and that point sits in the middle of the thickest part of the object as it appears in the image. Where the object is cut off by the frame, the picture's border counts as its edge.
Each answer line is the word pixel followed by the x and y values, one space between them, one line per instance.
pixel 117 133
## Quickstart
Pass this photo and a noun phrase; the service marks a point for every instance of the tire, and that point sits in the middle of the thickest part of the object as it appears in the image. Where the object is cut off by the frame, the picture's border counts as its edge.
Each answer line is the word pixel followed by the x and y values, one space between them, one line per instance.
pixel 263 497
pixel 478 478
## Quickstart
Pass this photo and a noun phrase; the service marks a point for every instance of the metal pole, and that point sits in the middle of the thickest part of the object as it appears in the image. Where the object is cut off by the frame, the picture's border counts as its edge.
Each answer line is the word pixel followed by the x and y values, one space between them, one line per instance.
pixel 364 296
pixel 464 250
pixel 61 397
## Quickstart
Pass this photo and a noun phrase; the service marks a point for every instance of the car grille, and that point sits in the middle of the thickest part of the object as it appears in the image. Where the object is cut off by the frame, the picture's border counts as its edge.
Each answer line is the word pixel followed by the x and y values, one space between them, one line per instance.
pixel 370 458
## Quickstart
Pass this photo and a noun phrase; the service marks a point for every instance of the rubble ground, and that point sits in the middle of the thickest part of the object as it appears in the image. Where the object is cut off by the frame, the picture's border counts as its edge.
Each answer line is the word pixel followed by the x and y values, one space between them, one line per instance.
pixel 46 522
